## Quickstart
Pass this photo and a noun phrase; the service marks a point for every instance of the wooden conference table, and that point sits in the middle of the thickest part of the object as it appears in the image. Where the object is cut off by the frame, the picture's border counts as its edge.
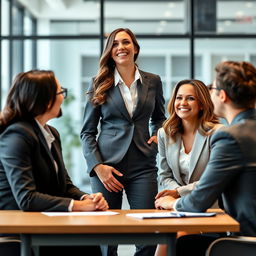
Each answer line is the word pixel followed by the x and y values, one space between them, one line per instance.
pixel 37 229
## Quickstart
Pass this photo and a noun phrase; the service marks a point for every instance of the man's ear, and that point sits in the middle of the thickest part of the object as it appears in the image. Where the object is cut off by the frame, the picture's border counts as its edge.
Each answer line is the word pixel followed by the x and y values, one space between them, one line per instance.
pixel 223 96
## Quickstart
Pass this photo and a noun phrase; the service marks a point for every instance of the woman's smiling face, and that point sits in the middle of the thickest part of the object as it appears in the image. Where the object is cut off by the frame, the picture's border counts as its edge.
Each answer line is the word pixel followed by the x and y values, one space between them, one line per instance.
pixel 186 104
pixel 123 49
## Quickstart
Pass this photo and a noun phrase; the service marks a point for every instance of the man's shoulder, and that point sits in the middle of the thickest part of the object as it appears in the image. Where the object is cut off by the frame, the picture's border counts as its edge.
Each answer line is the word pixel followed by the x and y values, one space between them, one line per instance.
pixel 242 128
pixel 240 136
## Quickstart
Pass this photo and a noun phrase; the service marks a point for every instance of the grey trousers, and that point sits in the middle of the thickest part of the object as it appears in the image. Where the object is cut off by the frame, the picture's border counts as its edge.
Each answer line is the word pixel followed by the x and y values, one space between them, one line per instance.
pixel 140 185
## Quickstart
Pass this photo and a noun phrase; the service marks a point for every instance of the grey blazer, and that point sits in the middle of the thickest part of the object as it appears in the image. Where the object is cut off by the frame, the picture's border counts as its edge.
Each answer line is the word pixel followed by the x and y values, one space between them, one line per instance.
pixel 117 130
pixel 230 173
pixel 169 151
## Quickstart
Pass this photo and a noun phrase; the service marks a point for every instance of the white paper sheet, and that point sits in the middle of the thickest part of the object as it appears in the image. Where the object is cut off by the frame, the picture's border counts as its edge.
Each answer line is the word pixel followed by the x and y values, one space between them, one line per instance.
pixel 53 214
pixel 156 215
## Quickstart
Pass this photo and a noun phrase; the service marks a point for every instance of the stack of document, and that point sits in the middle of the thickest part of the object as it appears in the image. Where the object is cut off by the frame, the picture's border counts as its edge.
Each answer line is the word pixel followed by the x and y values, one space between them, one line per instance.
pixel 154 215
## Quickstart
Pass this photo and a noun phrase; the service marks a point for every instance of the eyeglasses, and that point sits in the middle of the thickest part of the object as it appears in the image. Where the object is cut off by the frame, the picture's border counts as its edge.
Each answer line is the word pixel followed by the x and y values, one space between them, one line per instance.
pixel 210 87
pixel 64 92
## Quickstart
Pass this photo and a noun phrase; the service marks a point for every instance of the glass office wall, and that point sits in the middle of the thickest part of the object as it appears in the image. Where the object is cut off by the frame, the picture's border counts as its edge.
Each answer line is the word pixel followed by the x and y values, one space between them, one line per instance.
pixel 222 50
pixel 74 70
pixel 4 50
pixel 5 5
pixel 146 17
pixel 236 17
pixel 81 18
pixel 5 63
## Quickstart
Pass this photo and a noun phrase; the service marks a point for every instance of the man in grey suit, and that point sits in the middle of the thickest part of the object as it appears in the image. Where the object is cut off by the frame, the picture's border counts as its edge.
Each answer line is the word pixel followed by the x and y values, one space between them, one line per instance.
pixel 231 171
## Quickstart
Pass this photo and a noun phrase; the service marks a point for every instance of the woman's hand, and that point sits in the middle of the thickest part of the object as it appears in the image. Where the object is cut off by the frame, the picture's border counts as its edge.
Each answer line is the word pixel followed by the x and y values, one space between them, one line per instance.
pixel 165 202
pixel 151 139
pixel 105 174
pixel 173 193
pixel 92 202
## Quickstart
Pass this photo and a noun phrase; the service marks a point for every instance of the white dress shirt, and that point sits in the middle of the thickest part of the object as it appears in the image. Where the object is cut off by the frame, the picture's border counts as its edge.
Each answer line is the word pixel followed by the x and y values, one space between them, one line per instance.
pixel 130 95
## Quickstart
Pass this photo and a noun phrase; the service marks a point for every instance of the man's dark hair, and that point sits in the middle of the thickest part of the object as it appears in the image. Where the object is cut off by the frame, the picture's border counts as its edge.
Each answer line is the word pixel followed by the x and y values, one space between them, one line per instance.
pixel 238 80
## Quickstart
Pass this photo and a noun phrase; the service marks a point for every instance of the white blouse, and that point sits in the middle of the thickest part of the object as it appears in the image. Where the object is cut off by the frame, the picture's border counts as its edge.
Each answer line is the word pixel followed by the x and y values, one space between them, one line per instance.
pixel 184 162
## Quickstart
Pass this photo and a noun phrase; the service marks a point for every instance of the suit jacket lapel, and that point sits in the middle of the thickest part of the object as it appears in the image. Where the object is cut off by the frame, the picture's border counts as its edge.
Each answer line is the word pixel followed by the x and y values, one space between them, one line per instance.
pixel 43 141
pixel 196 151
pixel 117 99
pixel 45 146
pixel 57 157
pixel 174 152
pixel 142 93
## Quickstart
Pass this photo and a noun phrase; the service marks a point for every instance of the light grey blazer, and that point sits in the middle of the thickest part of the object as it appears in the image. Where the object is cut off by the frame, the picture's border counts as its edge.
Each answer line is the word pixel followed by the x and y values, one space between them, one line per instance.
pixel 169 151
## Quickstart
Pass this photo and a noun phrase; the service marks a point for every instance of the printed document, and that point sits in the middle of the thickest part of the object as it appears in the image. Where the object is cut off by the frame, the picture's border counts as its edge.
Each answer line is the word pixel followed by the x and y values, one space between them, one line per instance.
pixel 53 214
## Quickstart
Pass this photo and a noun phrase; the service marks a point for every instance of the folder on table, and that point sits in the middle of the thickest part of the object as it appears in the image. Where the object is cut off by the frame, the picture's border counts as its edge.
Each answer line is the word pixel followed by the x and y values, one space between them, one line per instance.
pixel 157 215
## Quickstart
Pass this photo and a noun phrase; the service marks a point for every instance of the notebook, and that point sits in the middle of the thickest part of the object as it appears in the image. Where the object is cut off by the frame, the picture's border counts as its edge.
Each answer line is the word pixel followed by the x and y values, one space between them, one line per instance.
pixel 156 215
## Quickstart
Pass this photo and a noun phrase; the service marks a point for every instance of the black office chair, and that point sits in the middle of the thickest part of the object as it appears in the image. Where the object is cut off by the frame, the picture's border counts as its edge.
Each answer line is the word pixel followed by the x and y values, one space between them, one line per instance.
pixel 9 246
pixel 236 246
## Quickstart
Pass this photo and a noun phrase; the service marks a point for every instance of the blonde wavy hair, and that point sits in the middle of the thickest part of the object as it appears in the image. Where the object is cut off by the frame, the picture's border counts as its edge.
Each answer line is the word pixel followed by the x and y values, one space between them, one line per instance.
pixel 206 118
pixel 105 76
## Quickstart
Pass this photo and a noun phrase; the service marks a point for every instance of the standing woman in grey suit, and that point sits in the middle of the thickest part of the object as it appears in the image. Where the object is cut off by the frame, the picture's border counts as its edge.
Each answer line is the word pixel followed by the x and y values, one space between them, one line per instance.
pixel 126 101
pixel 184 139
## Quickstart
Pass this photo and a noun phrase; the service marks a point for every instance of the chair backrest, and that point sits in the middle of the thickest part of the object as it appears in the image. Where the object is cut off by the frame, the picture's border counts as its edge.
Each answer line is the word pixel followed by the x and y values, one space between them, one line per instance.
pixel 9 246
pixel 237 246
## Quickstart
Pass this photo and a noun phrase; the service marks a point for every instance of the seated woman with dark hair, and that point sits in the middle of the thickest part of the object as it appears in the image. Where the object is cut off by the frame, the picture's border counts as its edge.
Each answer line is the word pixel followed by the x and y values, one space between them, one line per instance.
pixel 33 176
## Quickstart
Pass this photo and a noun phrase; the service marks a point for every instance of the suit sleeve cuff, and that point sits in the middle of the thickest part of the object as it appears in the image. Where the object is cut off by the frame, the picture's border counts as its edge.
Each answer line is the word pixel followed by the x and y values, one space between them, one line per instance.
pixel 70 207
pixel 175 203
